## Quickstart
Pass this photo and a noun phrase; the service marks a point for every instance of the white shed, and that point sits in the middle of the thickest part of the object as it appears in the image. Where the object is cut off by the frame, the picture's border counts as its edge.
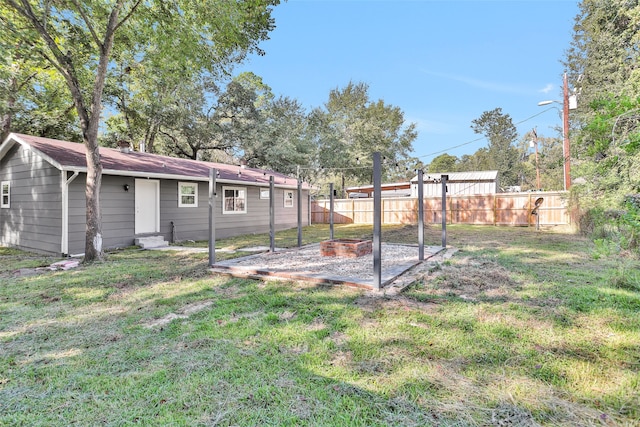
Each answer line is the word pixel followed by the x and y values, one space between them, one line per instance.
pixel 459 183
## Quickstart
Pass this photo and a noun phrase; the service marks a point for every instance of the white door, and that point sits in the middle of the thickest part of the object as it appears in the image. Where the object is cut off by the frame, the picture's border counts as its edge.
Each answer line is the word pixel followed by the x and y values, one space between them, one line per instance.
pixel 147 206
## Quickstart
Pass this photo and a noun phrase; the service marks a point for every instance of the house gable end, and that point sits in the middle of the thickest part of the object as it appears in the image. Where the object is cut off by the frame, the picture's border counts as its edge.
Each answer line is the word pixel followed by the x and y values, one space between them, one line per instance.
pixel 13 140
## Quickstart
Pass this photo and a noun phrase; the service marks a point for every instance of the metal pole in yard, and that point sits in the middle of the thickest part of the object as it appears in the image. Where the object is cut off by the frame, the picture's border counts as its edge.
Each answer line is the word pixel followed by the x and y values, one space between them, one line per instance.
pixel 212 216
pixel 420 215
pixel 331 211
pixel 444 179
pixel 377 222
pixel 272 216
pixel 299 200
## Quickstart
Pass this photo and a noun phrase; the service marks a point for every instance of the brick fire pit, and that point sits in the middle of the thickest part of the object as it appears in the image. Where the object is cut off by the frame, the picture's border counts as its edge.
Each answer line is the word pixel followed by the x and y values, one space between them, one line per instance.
pixel 349 248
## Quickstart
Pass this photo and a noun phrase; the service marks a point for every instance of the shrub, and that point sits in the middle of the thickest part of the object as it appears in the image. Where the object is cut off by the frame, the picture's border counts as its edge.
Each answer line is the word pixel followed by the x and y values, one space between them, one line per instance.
pixel 614 227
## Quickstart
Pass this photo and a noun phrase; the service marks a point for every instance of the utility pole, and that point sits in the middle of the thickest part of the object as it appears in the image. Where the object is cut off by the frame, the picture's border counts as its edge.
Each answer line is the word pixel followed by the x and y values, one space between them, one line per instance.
pixel 568 103
pixel 565 133
pixel 535 144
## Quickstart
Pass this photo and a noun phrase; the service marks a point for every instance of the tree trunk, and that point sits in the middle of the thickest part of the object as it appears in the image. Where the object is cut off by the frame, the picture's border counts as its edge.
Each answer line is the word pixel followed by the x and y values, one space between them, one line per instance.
pixel 6 127
pixel 90 124
pixel 6 117
pixel 93 242
pixel 89 117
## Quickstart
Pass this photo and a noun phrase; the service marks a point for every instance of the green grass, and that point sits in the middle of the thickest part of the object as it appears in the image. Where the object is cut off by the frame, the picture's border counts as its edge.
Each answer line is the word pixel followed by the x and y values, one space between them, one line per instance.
pixel 518 328
pixel 289 238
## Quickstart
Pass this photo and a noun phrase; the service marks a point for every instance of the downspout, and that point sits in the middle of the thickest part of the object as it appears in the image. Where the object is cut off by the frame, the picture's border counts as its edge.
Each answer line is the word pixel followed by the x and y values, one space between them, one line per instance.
pixel 64 242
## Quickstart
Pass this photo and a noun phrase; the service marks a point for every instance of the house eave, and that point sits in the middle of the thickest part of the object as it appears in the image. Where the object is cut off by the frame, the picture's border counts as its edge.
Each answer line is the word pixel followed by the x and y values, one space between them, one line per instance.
pixel 148 175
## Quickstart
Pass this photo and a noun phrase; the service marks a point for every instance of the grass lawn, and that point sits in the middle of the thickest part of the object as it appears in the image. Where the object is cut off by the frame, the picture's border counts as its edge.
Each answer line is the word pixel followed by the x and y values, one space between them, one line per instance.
pixel 518 328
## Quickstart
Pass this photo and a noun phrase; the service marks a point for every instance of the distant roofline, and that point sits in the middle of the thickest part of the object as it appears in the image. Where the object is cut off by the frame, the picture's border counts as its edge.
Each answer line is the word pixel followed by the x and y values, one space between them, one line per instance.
pixel 488 175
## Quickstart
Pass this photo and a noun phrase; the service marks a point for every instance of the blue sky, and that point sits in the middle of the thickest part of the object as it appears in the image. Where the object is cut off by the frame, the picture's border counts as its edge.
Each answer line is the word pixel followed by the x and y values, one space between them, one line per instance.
pixel 443 63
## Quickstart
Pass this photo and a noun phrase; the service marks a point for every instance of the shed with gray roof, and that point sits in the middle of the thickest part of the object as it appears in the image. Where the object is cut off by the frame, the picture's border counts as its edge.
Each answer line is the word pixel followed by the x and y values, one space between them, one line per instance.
pixel 43 205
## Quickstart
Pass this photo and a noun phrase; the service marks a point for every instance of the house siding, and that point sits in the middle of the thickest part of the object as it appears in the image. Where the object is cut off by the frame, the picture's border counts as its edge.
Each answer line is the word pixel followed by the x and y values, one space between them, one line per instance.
pixel 117 213
pixel 43 195
pixel 192 223
pixel 34 219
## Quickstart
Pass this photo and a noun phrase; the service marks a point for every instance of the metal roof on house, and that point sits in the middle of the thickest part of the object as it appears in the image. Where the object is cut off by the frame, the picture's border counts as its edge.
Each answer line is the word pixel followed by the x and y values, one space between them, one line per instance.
pixel 461 176
pixel 383 186
pixel 71 156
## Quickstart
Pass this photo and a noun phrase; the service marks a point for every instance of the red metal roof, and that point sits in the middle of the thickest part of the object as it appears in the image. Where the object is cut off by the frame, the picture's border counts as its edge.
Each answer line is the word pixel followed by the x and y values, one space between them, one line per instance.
pixel 71 156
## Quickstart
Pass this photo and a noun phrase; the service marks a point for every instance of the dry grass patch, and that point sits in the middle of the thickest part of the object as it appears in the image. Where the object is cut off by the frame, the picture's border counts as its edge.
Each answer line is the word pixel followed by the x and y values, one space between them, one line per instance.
pixel 511 331
pixel 470 279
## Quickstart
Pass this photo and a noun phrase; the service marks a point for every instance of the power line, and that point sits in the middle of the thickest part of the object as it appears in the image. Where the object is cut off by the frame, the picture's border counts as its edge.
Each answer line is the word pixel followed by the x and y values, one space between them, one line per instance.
pixel 334 169
pixel 483 137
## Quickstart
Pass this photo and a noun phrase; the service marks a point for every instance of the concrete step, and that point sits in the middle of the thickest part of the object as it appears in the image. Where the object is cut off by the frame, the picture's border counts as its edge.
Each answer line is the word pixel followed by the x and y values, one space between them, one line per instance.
pixel 151 242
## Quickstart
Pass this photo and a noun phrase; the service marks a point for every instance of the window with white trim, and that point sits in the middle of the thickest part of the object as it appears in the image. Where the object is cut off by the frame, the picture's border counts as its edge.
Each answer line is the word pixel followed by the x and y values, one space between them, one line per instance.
pixel 288 199
pixel 188 194
pixel 264 193
pixel 235 200
pixel 5 194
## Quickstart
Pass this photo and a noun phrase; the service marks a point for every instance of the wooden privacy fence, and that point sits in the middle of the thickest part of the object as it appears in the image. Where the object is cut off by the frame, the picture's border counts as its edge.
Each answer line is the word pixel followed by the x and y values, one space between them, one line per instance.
pixel 490 209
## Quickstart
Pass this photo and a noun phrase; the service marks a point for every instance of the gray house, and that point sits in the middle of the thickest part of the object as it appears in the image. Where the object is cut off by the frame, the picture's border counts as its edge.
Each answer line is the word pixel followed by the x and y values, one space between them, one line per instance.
pixel 43 205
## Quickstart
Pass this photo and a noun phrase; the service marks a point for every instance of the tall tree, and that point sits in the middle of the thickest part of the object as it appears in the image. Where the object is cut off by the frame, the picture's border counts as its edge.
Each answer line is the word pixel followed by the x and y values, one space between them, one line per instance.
pixel 498 128
pixel 33 98
pixel 282 142
pixel 604 51
pixel 204 124
pixel 610 152
pixel 605 128
pixel 443 163
pixel 83 41
pixel 478 161
pixel 351 127
pixel 143 98
pixel 549 162
pixel 35 101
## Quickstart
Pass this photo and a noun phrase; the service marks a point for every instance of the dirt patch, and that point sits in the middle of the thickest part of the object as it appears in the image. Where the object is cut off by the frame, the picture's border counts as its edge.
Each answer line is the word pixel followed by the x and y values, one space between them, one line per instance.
pixel 338 338
pixel 317 325
pixel 286 316
pixel 373 302
pixel 183 313
pixel 467 278
pixel 470 279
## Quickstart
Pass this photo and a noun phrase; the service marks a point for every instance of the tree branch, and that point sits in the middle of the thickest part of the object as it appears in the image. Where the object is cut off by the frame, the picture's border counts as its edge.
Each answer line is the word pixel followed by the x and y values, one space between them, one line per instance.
pixel 128 15
pixel 62 62
pixel 27 80
pixel 85 18
pixel 178 149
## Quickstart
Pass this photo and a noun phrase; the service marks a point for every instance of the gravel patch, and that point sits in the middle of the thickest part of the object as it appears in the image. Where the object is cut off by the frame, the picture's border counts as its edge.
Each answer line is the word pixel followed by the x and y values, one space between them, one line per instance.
pixel 307 263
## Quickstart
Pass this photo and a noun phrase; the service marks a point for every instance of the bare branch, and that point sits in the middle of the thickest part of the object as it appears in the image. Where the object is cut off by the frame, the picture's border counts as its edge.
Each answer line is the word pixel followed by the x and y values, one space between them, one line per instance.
pixel 128 15
pixel 54 64
pixel 179 150
pixel 27 80
pixel 85 18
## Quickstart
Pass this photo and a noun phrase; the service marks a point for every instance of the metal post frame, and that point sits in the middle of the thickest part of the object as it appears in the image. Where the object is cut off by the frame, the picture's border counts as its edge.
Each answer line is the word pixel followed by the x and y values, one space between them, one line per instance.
pixel 420 215
pixel 272 216
pixel 377 222
pixel 212 216
pixel 444 179
pixel 331 211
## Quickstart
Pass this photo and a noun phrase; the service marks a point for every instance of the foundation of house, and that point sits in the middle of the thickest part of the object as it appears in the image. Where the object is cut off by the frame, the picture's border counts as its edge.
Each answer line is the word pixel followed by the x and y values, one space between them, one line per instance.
pixel 348 248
